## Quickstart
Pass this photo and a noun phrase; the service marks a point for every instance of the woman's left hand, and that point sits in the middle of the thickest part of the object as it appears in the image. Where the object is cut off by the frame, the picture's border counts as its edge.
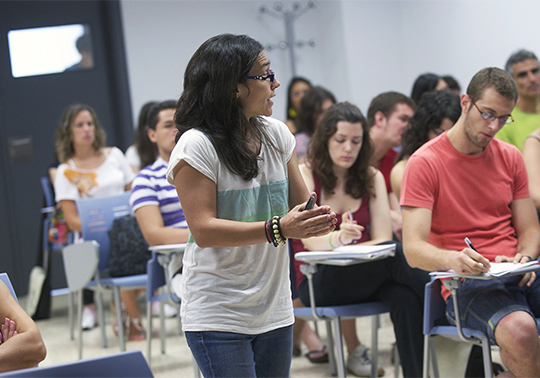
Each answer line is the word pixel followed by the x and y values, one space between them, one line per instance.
pixel 301 224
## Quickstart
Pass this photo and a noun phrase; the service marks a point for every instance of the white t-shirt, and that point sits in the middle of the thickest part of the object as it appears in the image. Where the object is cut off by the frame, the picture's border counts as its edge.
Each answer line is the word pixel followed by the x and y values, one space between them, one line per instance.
pixel 133 156
pixel 108 179
pixel 238 289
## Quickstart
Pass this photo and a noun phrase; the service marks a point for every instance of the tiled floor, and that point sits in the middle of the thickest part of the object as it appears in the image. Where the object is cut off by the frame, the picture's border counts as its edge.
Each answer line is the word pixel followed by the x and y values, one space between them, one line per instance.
pixel 177 361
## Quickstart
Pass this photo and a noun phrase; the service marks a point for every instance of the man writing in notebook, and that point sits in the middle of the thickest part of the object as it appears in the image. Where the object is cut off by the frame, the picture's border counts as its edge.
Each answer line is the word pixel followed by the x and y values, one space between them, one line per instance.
pixel 465 183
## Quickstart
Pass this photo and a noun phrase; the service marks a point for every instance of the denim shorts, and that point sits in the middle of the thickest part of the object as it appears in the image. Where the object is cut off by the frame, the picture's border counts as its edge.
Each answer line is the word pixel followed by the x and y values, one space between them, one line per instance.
pixel 228 354
pixel 483 303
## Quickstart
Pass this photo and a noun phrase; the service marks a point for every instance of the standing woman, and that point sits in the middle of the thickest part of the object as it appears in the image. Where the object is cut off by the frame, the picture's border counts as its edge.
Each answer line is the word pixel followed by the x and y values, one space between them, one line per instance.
pixel 236 176
pixel 89 169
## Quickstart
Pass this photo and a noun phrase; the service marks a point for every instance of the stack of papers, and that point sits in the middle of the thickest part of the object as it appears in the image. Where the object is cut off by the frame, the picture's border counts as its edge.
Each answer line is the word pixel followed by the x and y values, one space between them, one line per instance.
pixel 497 270
pixel 348 253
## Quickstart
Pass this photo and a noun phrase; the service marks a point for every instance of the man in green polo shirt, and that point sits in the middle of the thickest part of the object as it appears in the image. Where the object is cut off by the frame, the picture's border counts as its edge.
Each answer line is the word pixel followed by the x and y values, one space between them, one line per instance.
pixel 524 68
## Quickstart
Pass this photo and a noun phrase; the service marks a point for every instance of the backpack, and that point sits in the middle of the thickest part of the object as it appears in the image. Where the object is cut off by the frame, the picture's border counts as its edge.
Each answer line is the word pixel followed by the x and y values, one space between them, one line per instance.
pixel 129 251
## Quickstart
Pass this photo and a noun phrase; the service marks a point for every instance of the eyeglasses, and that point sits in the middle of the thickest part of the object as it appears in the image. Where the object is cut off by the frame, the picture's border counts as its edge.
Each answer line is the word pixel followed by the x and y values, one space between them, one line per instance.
pixel 503 120
pixel 267 77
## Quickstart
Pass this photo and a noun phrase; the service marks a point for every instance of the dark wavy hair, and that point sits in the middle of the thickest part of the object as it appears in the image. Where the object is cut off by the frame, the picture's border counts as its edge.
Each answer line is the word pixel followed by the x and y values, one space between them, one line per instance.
pixel 209 103
pixel 145 148
pixel 360 177
pixel 290 106
pixel 64 135
pixel 424 83
pixel 433 108
pixel 309 107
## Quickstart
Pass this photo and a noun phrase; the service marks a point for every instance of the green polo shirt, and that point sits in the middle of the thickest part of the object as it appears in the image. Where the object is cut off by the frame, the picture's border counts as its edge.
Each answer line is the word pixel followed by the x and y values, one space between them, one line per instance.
pixel 516 132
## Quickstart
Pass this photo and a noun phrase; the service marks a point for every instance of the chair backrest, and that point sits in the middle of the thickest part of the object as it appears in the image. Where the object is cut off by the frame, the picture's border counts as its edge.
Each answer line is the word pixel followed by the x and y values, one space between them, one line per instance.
pixel 97 216
pixel 127 364
pixel 434 305
pixel 80 263
pixel 47 188
pixel 5 279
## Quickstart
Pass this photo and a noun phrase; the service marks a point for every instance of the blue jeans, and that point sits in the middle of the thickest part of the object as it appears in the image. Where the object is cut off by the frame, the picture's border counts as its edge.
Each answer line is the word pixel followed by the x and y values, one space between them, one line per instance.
pixel 482 304
pixel 228 354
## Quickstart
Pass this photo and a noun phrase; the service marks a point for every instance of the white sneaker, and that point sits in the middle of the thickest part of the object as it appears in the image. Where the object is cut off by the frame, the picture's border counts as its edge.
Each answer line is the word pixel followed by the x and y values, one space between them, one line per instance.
pixel 168 310
pixel 359 362
pixel 88 317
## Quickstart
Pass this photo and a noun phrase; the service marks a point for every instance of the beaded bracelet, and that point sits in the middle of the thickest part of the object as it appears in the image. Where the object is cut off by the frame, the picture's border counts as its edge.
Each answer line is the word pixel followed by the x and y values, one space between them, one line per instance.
pixel 277 236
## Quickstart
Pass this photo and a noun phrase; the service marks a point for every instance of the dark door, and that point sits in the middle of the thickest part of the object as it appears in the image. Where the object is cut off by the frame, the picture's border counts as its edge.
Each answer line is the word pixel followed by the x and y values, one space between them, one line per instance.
pixel 30 108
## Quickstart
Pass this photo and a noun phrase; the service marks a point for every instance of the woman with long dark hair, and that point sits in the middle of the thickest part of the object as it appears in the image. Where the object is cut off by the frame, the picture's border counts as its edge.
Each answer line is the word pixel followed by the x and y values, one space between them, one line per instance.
pixel 236 174
pixel 339 171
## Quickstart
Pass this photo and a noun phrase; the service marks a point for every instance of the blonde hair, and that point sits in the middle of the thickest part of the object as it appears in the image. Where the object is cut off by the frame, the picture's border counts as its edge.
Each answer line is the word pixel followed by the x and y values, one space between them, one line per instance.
pixel 64 136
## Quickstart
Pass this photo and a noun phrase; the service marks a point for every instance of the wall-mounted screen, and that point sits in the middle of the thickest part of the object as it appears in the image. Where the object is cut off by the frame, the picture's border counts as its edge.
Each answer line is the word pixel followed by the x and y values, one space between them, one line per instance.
pixel 54 49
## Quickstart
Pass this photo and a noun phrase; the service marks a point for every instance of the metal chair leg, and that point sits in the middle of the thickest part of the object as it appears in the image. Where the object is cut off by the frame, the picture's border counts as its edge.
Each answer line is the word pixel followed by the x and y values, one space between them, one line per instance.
pixel 149 333
pixel 162 326
pixel 340 359
pixel 331 350
pixel 374 346
pixel 101 316
pixel 397 361
pixel 486 354
pixel 71 304
pixel 118 305
pixel 79 321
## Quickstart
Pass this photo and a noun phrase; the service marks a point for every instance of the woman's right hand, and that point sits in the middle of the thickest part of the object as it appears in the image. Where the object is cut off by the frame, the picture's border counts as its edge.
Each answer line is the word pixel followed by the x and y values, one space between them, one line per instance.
pixel 349 230
pixel 301 224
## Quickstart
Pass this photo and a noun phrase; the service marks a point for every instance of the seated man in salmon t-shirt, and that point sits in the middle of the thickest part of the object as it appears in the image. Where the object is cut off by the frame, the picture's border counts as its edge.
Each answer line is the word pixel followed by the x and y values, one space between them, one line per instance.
pixel 465 183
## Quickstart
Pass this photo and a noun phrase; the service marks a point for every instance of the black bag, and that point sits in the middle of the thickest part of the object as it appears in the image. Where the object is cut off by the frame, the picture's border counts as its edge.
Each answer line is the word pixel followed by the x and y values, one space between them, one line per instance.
pixel 129 250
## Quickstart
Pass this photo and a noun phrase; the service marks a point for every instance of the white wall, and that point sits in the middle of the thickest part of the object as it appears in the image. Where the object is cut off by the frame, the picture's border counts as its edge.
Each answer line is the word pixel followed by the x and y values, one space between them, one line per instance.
pixel 161 37
pixel 365 47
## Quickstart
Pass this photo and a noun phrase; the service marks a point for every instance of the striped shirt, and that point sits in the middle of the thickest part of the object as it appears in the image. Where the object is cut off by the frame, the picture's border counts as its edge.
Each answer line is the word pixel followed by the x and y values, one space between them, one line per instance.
pixel 150 187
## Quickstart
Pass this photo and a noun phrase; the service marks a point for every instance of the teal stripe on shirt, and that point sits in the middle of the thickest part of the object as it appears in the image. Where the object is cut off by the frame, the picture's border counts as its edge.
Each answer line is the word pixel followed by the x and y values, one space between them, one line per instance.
pixel 254 204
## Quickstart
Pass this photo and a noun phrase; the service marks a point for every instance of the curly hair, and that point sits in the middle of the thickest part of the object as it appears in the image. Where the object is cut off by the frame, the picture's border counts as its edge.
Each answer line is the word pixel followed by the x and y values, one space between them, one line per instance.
pixel 64 136
pixel 360 176
pixel 433 108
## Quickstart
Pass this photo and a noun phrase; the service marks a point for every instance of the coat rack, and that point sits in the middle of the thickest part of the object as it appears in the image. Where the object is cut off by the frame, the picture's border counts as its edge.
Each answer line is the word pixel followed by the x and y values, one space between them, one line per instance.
pixel 289 16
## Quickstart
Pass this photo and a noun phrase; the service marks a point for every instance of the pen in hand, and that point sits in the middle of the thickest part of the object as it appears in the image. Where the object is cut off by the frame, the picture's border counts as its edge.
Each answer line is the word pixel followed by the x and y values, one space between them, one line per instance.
pixel 471 246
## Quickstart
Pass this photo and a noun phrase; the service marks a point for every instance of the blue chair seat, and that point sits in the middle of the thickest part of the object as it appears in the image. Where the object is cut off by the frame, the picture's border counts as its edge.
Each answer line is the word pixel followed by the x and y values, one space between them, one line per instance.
pixel 128 281
pixel 345 311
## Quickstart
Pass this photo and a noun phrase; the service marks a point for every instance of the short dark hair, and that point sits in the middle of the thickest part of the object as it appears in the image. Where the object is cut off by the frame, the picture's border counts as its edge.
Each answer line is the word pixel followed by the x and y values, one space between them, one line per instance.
pixel 518 56
pixel 310 106
pixel 424 83
pixel 386 103
pixel 452 83
pixel 153 112
pixel 359 178
pixel 492 77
